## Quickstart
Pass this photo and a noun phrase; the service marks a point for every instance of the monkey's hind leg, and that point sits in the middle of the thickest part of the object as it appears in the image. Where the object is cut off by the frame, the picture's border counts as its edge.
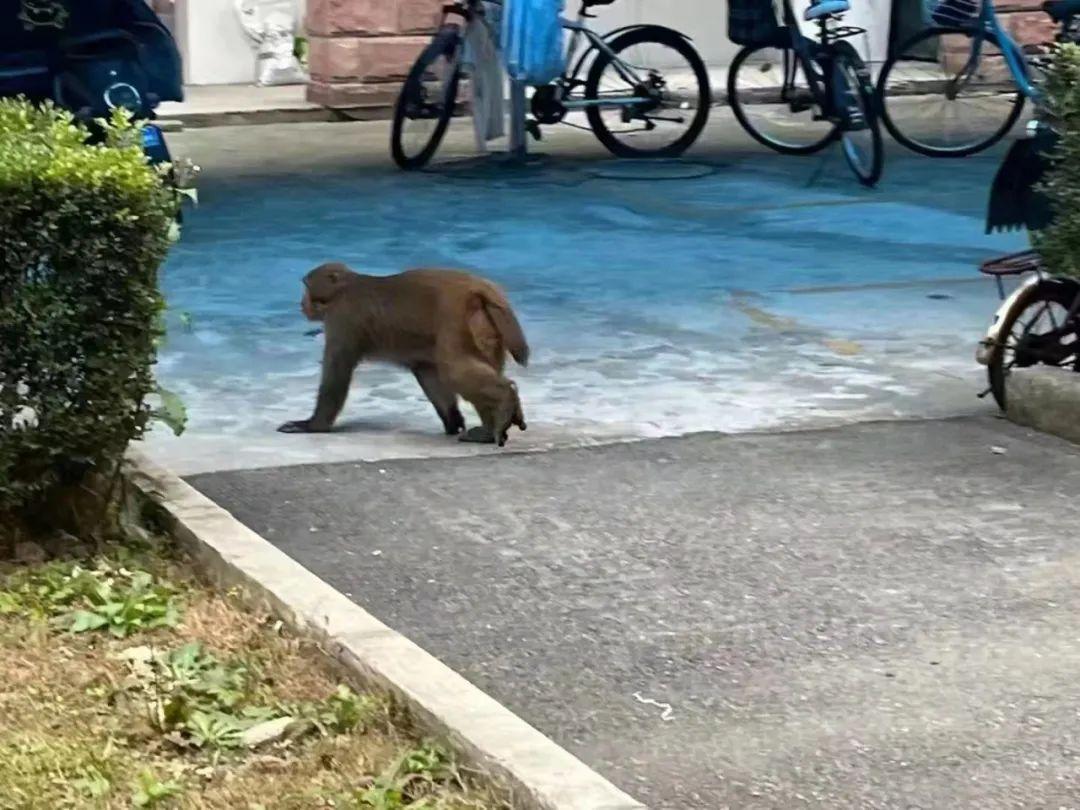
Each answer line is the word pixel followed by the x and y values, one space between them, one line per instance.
pixel 495 399
pixel 442 397
pixel 518 416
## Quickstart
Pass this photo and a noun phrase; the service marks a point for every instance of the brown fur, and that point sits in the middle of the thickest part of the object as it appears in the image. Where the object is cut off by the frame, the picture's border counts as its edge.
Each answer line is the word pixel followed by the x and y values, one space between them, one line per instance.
pixel 453 330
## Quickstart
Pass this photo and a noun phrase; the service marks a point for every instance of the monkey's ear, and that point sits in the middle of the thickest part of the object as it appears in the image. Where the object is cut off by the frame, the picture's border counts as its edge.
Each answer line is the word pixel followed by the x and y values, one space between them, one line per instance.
pixel 333 276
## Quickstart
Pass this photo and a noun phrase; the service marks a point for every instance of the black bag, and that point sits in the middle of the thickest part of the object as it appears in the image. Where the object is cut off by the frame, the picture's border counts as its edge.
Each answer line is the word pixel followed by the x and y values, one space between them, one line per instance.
pixel 753 22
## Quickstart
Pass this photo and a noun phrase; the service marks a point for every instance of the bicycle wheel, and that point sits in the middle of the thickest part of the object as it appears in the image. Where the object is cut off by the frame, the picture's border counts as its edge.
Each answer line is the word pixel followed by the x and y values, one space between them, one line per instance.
pixel 935 104
pixel 426 101
pixel 671 83
pixel 1036 331
pixel 860 133
pixel 788 123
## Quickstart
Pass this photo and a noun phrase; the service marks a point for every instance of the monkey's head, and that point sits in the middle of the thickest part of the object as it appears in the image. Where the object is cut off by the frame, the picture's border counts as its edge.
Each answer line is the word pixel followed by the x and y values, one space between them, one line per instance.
pixel 321 286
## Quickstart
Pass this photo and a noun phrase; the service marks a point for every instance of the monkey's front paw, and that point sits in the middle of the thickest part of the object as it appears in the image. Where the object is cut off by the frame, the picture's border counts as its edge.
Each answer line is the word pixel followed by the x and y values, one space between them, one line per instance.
pixel 454 423
pixel 299 426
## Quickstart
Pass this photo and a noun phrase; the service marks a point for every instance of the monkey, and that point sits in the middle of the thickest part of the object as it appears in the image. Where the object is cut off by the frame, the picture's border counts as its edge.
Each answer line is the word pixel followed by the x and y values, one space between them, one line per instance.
pixel 452 329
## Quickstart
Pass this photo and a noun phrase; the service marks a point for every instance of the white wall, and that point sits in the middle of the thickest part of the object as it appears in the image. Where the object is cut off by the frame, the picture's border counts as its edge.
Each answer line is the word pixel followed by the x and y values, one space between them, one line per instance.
pixel 705 21
pixel 213 44
pixel 216 51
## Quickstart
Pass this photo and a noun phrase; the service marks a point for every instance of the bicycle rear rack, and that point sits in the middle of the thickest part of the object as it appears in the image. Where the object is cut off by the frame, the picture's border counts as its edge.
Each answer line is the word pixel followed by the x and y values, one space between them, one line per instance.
pixel 1012 264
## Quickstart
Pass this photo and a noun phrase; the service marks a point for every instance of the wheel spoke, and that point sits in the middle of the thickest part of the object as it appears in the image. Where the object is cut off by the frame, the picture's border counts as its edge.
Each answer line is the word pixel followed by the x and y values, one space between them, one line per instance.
pixel 659 75
pixel 784 121
pixel 936 104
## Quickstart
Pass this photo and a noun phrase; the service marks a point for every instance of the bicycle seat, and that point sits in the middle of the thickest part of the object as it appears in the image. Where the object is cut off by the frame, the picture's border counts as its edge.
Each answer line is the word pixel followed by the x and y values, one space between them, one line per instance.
pixel 1061 9
pixel 825 8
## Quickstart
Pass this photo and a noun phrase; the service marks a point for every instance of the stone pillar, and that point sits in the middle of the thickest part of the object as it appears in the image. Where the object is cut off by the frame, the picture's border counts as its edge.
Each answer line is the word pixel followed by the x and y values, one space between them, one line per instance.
pixel 361 50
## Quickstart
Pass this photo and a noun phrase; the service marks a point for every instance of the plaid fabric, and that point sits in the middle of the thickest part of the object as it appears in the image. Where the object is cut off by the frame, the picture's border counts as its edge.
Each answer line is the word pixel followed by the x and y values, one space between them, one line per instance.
pixel 752 22
pixel 954 12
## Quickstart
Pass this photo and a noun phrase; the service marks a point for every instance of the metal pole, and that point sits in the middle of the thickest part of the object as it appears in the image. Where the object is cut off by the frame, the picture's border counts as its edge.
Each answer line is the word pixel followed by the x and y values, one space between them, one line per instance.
pixel 517 120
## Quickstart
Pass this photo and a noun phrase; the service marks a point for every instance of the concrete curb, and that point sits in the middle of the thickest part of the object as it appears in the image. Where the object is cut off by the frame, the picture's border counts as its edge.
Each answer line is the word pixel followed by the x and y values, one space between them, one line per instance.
pixel 540 774
pixel 177 120
pixel 1045 398
pixel 201 120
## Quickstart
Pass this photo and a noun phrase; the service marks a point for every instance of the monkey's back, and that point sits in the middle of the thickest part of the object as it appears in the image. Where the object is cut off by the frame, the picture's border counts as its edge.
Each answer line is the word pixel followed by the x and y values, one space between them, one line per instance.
pixel 448 286
pixel 405 316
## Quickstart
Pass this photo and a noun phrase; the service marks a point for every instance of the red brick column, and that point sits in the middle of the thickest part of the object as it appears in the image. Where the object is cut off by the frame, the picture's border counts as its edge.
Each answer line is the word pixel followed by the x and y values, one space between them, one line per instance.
pixel 1032 27
pixel 1022 19
pixel 360 50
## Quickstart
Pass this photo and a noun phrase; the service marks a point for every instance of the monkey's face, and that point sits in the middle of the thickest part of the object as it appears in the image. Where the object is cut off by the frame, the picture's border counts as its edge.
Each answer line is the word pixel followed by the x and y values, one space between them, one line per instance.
pixel 311 310
pixel 321 286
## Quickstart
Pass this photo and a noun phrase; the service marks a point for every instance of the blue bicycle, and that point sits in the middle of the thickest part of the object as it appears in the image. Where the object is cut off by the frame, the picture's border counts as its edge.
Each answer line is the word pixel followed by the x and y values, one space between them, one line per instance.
pixel 958 87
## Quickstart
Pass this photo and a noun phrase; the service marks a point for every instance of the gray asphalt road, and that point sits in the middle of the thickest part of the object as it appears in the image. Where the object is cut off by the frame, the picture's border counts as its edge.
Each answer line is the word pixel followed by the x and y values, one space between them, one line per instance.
pixel 878 616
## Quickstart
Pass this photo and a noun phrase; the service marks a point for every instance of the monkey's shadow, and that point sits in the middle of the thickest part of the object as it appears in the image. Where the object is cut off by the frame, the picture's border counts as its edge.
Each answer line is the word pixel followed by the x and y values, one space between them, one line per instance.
pixel 387 428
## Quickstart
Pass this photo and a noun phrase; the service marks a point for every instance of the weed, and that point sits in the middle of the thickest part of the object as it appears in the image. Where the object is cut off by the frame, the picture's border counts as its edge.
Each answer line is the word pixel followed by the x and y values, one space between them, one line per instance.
pixel 107 597
pixel 217 730
pixel 343 712
pixel 411 782
pixel 150 792
pixel 170 718
pixel 38 771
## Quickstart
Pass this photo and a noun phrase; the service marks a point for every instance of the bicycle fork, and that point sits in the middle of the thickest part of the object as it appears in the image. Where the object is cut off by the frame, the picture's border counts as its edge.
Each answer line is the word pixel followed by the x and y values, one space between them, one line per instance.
pixel 797 101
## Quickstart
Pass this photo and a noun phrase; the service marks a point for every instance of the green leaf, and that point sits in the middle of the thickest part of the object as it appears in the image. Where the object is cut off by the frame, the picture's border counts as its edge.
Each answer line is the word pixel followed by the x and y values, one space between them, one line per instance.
pixel 9 603
pixel 149 791
pixel 84 621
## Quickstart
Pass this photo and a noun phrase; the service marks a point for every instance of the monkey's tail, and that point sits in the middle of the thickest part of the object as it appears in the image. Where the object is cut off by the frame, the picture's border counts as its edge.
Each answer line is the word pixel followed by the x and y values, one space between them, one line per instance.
pixel 506 323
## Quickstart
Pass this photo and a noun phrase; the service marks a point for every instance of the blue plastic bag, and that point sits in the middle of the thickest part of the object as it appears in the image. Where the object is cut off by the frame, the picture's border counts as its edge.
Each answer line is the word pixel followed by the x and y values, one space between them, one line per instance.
pixel 532 40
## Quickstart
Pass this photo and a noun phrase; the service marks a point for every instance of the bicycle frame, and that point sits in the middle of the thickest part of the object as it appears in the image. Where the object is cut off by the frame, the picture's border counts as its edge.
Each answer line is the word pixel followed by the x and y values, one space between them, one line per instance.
pixel 579 29
pixel 1015 59
pixel 808 51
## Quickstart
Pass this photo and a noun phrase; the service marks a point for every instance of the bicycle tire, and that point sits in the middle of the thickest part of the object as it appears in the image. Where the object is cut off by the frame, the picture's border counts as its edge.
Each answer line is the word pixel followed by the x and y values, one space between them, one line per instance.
pixel 1052 293
pixel 738 108
pixel 849 68
pixel 924 149
pixel 638 36
pixel 445 43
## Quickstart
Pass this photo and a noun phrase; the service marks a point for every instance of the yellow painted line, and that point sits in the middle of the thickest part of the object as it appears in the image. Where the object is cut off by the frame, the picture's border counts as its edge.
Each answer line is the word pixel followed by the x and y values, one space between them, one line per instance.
pixel 779 323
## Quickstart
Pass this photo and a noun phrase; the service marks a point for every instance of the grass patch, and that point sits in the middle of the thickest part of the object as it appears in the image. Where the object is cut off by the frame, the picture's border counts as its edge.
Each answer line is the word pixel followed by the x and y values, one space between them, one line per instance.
pixel 124 683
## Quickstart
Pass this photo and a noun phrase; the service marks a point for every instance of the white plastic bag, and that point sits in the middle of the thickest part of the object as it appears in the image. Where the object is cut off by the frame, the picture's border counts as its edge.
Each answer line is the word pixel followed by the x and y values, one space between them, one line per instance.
pixel 271 25
pixel 486 79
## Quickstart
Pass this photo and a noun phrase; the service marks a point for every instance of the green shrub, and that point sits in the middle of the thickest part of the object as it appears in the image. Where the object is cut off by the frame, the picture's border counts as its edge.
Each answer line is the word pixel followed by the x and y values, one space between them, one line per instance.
pixel 83 230
pixel 1059 243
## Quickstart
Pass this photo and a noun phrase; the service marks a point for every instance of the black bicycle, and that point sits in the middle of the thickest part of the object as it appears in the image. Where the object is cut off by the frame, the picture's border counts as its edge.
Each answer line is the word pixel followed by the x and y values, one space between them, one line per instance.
pixel 797 95
pixel 1039 322
pixel 645 93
